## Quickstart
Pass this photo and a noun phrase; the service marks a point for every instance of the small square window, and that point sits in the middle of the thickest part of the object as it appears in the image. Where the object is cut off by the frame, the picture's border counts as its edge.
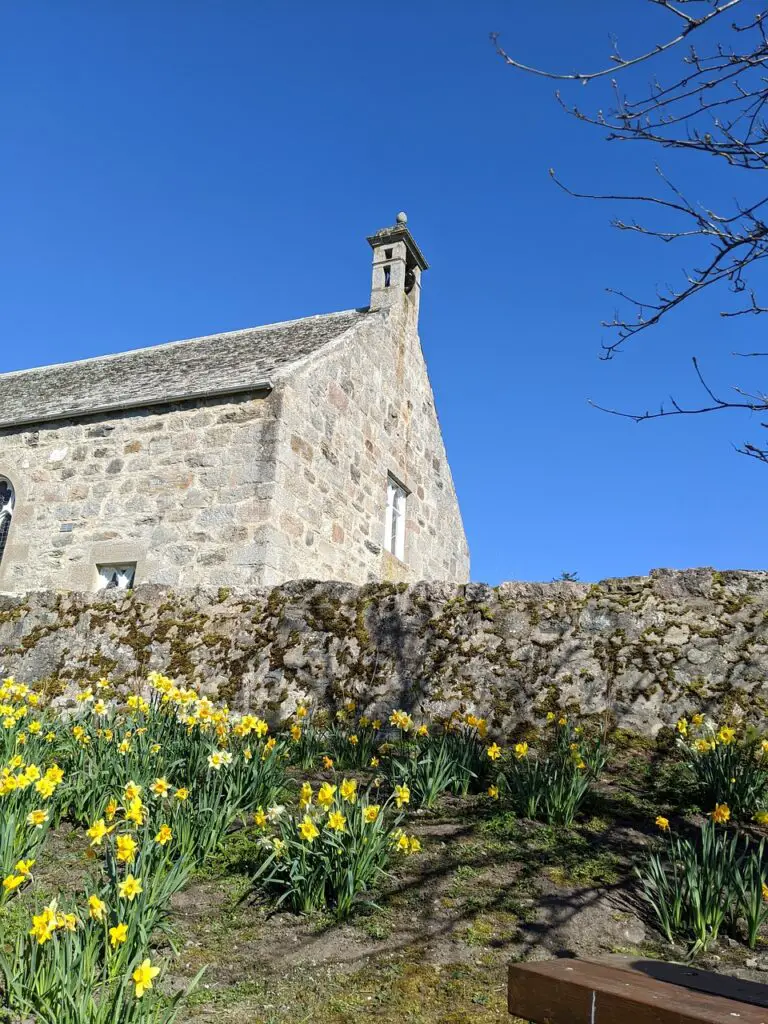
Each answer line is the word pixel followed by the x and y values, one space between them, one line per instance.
pixel 116 577
pixel 394 521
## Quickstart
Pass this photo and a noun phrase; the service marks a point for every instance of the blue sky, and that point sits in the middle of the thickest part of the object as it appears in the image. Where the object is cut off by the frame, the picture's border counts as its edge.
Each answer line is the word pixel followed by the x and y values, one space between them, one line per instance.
pixel 172 169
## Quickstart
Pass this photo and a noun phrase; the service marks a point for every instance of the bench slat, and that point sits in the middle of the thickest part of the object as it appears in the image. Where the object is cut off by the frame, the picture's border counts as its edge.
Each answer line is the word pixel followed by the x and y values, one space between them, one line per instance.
pixel 688 976
pixel 575 991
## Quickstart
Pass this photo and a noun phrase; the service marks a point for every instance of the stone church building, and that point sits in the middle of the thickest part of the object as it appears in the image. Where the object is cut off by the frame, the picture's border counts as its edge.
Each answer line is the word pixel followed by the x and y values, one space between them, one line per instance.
pixel 307 449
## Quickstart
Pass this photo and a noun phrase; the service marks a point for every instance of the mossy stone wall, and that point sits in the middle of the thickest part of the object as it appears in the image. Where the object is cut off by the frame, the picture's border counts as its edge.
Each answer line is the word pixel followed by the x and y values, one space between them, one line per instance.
pixel 642 650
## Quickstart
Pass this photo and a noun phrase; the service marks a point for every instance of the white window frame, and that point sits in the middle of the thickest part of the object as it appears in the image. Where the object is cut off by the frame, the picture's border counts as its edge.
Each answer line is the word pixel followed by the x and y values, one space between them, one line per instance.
pixel 394 519
pixel 125 573
pixel 6 515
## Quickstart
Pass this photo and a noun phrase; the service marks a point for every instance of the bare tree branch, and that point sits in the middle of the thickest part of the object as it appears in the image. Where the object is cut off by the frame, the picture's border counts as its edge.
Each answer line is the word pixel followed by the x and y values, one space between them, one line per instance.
pixel 618 62
pixel 717 106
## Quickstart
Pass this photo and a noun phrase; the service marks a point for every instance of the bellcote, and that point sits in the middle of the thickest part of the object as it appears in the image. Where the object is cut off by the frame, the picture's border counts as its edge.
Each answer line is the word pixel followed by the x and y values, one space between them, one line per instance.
pixel 398 263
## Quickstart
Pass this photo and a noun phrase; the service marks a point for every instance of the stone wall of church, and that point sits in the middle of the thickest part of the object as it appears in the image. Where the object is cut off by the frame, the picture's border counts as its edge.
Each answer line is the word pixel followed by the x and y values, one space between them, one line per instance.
pixel 359 410
pixel 183 491
pixel 643 650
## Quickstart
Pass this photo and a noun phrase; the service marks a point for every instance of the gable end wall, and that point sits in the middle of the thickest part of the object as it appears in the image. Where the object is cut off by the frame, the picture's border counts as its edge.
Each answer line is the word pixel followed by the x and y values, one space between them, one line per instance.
pixel 362 408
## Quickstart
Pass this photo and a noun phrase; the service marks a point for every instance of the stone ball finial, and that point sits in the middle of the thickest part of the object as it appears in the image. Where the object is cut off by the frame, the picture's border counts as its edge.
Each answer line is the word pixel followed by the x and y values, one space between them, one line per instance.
pixel 402 218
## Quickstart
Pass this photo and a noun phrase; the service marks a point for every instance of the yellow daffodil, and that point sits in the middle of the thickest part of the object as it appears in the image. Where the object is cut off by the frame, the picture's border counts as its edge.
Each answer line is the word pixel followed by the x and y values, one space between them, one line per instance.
pixel 97 832
pixel 118 935
pixel 348 790
pixel 662 823
pixel 160 787
pixel 164 835
pixel 96 908
pixel 494 752
pixel 308 830
pixel 126 849
pixel 143 977
pixel 402 795
pixel 493 792
pixel 136 811
pixel 130 888
pixel 402 720
pixel 337 821
pixel 325 795
pixel 131 790
pixel 721 813
pixel 726 735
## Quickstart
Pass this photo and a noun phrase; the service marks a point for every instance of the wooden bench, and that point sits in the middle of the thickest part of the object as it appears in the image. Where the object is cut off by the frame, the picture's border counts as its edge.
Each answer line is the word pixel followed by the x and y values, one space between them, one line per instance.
pixel 620 990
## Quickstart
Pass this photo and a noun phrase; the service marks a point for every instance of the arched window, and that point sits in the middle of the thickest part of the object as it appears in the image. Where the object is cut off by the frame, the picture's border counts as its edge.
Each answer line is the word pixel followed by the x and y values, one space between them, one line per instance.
pixel 6 512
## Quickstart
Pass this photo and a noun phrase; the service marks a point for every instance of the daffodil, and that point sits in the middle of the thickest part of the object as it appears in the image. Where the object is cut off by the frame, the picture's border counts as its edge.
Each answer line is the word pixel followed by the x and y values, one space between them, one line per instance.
pixel 143 977
pixel 721 813
pixel 337 821
pixel 96 908
pixel 308 830
pixel 662 823
pixel 160 787
pixel 494 752
pixel 118 934
pixel 348 790
pixel 402 795
pixel 131 790
pixel 126 849
pixel 164 835
pixel 130 888
pixel 325 795
pixel 371 813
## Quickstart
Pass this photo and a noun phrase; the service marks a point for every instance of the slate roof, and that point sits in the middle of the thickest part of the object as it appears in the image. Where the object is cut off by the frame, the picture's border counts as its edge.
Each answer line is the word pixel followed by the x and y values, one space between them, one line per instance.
pixel 177 371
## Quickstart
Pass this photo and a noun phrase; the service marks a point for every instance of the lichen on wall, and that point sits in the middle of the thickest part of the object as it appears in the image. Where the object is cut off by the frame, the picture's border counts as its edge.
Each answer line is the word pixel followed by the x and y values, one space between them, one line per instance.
pixel 639 651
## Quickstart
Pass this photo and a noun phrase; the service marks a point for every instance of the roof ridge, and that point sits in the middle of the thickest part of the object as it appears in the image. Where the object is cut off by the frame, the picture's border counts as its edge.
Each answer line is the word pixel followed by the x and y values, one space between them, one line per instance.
pixel 181 341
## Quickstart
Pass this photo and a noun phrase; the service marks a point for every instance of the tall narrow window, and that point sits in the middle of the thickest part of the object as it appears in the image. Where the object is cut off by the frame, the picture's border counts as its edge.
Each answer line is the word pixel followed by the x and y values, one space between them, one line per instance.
pixel 6 512
pixel 394 521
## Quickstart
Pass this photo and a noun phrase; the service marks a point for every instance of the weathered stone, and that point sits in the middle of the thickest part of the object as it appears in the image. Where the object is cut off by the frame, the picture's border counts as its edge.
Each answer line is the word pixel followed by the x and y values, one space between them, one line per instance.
pixel 509 652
